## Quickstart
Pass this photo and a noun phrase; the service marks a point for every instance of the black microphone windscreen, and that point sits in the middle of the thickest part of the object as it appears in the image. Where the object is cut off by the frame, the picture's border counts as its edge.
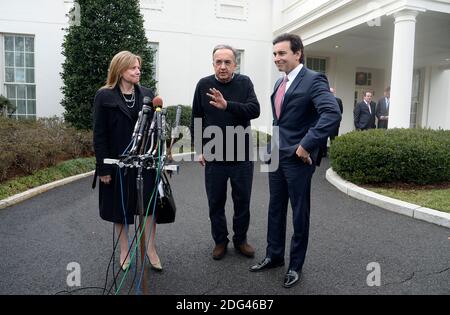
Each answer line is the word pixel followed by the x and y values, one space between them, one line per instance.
pixel 147 101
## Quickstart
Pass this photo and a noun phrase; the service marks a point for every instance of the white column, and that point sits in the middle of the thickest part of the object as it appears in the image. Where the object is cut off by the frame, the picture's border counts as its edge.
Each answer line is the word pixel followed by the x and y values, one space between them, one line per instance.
pixel 402 69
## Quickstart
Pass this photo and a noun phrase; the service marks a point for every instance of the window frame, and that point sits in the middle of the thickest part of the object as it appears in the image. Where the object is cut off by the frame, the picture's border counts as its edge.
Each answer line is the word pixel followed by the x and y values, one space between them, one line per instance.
pixel 240 61
pixel 17 85
pixel 319 59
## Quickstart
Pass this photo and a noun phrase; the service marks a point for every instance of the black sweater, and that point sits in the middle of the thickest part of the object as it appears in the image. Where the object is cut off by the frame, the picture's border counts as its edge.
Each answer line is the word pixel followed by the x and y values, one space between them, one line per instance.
pixel 242 106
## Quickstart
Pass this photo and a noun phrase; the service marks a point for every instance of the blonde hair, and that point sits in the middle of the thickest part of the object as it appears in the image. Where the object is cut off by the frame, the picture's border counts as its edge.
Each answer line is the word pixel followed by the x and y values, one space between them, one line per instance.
pixel 121 62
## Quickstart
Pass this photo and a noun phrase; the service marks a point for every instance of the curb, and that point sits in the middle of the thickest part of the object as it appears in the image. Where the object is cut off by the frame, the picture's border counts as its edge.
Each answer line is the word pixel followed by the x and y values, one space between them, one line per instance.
pixel 391 204
pixel 39 190
pixel 13 200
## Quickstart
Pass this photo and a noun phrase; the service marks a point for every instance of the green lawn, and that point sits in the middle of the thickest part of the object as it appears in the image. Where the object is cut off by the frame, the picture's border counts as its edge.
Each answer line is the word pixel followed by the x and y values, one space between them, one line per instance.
pixel 438 199
pixel 45 176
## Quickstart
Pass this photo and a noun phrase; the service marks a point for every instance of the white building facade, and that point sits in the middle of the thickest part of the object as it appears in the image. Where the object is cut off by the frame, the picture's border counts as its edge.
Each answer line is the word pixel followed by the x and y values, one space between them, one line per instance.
pixel 402 44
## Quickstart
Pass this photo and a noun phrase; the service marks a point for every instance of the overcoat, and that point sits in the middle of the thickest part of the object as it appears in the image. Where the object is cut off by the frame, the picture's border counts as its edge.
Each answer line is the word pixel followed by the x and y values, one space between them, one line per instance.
pixel 113 128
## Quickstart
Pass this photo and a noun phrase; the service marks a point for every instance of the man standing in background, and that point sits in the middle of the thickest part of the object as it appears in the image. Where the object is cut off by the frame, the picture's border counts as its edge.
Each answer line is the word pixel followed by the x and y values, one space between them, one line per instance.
pixel 382 111
pixel 341 108
pixel 364 113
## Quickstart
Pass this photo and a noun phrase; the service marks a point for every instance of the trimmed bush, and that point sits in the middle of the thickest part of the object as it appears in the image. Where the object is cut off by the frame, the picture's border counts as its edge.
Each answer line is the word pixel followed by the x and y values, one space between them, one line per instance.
pixel 419 156
pixel 105 27
pixel 27 146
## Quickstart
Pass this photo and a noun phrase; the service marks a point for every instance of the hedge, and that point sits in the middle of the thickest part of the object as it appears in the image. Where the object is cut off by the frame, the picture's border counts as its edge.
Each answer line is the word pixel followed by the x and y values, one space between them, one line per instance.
pixel 27 146
pixel 418 156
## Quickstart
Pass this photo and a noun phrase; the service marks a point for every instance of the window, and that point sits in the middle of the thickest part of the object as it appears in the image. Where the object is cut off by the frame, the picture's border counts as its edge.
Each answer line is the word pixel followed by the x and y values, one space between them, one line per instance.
pixel 152 4
pixel 239 61
pixel 155 64
pixel 363 78
pixel 317 64
pixel 19 72
pixel 232 9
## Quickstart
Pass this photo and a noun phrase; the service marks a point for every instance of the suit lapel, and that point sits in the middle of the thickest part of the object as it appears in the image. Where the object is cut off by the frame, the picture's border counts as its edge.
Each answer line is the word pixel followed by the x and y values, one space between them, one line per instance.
pixel 292 88
pixel 272 97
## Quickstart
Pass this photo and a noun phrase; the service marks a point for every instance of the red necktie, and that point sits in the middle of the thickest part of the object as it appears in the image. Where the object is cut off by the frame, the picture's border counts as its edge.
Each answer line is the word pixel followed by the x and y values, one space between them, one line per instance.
pixel 279 97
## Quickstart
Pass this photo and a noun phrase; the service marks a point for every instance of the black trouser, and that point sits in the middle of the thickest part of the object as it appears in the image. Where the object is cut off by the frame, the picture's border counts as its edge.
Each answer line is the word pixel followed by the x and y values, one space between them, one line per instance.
pixel 291 182
pixel 216 179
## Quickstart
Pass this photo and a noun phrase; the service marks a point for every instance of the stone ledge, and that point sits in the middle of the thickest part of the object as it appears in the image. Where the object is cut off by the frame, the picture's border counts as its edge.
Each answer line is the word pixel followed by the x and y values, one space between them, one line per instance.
pixel 391 204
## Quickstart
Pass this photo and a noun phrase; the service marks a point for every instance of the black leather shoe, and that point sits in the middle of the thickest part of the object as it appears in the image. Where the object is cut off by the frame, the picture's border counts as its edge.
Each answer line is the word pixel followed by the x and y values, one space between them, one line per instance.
pixel 267 263
pixel 291 278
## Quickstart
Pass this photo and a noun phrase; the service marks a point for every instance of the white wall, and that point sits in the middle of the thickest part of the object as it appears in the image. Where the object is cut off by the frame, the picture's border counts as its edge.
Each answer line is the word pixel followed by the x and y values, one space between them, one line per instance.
pixel 187 32
pixel 43 19
pixel 345 87
pixel 439 101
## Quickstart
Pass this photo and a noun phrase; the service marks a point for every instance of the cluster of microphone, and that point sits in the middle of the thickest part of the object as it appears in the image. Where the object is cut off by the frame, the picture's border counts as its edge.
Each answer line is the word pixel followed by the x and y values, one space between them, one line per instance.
pixel 150 129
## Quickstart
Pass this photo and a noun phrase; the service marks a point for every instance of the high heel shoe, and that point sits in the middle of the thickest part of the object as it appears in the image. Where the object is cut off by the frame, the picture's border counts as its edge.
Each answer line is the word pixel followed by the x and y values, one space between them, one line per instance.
pixel 155 266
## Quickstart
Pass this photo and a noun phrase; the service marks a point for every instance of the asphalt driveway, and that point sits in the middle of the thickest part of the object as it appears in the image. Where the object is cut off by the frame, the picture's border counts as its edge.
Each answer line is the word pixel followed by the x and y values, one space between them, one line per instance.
pixel 41 236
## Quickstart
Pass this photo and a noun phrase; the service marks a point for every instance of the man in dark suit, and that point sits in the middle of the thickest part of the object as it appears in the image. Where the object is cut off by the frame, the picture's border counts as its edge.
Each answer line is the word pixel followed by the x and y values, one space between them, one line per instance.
pixel 364 113
pixel 305 114
pixel 382 111
pixel 341 108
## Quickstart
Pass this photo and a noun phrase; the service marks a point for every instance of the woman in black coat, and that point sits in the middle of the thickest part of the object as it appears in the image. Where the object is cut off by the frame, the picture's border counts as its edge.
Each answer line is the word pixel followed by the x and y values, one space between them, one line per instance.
pixel 116 109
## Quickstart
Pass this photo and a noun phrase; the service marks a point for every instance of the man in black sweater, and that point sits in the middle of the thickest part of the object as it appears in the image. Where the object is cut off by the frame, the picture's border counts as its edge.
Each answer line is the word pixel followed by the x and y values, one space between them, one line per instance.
pixel 222 108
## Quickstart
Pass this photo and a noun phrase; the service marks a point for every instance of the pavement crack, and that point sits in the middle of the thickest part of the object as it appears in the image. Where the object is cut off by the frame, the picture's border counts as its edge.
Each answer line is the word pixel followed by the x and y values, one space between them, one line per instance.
pixel 415 273
pixel 438 272
pixel 409 278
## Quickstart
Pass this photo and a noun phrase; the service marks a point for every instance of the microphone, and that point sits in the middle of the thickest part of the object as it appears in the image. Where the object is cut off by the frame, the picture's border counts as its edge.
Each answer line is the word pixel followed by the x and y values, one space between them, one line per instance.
pixel 136 127
pixel 175 130
pixel 157 102
pixel 164 124
pixel 145 113
pixel 157 105
pixel 141 124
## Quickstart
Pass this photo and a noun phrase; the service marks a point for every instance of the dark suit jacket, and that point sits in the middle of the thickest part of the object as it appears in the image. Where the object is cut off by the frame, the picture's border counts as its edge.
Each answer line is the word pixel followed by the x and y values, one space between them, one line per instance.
pixel 362 117
pixel 341 108
pixel 309 115
pixel 382 110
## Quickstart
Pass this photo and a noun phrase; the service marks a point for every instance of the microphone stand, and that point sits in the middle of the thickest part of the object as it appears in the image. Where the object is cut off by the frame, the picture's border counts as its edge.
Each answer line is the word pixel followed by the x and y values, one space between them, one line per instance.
pixel 141 158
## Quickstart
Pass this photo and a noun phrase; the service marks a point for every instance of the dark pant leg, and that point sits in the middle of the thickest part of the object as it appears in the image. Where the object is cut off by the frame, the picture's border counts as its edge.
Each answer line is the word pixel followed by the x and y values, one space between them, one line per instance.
pixel 241 178
pixel 276 225
pixel 216 190
pixel 298 176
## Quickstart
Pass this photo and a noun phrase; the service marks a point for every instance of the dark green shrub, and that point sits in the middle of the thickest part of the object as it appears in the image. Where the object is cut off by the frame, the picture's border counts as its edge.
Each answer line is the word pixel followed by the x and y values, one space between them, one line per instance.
pixel 6 107
pixel 419 156
pixel 105 28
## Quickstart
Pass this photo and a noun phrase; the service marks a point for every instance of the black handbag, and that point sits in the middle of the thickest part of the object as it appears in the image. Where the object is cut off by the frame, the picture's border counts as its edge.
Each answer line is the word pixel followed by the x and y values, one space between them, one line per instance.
pixel 165 207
